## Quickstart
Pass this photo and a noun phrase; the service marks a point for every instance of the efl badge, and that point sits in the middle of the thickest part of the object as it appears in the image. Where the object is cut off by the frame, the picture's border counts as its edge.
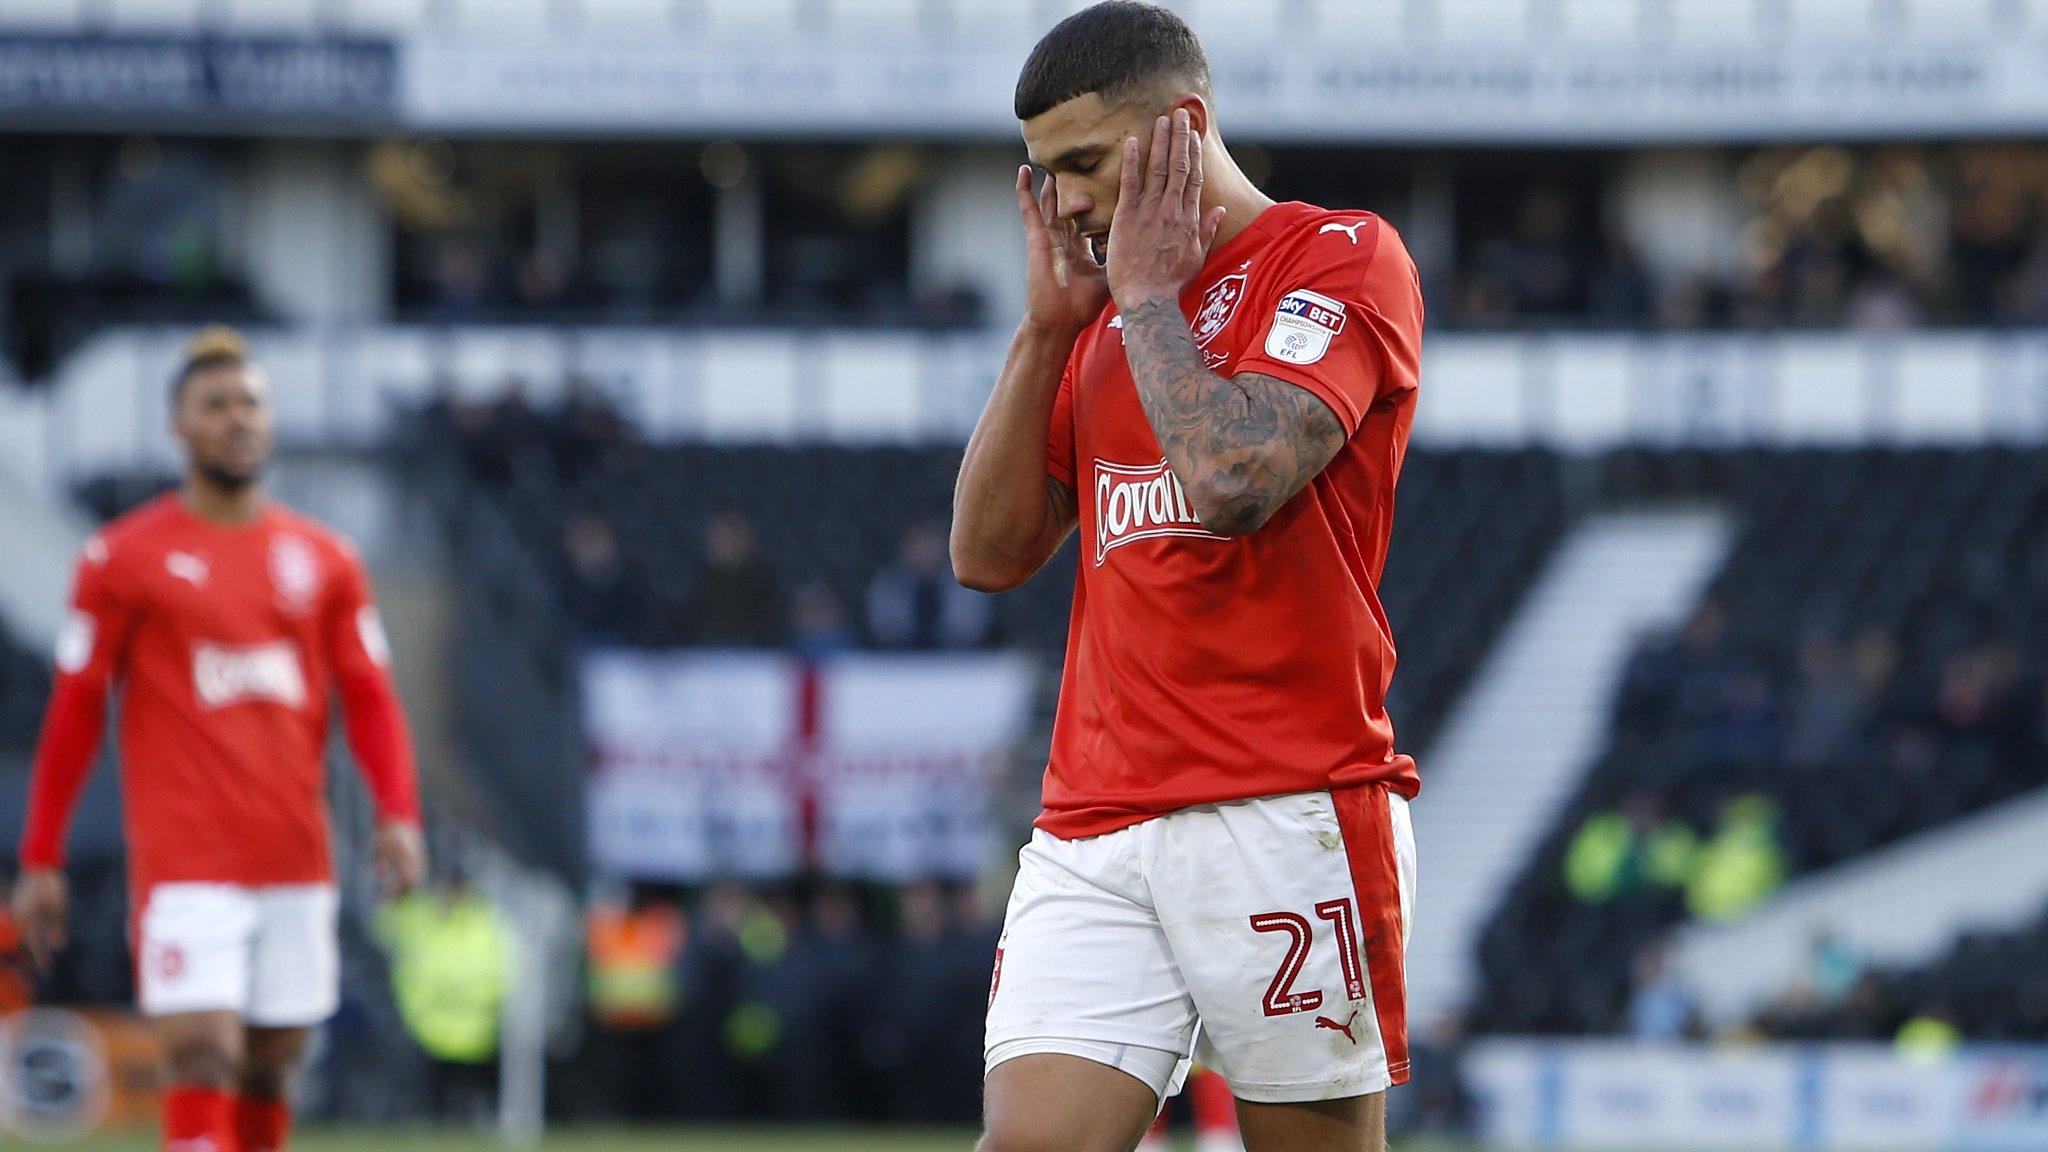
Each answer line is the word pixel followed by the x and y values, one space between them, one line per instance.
pixel 1219 304
pixel 294 573
pixel 1303 327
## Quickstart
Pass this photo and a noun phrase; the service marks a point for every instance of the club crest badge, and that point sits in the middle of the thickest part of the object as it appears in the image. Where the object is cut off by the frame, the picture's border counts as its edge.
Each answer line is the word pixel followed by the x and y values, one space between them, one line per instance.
pixel 294 573
pixel 1219 304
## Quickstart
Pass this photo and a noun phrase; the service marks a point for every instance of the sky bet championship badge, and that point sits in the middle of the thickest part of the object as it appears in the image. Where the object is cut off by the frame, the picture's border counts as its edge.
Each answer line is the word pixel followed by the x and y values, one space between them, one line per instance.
pixel 1303 327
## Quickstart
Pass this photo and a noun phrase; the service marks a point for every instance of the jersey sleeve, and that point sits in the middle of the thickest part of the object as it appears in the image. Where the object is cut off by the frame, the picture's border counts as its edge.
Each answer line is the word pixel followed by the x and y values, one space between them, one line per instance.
pixel 1345 321
pixel 1059 433
pixel 372 716
pixel 91 645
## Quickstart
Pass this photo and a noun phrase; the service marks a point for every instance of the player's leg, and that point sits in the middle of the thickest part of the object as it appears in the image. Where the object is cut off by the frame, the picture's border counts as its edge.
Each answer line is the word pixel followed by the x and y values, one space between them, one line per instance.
pixel 203 1058
pixel 1089 1021
pixel 1352 1124
pixel 294 984
pixel 1288 916
pixel 271 1057
pixel 192 981
pixel 1054 1102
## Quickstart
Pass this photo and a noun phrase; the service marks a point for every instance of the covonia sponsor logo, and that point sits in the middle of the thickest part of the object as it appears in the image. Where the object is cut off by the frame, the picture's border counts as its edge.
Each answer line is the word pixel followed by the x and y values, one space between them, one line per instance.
pixel 1139 502
pixel 223 675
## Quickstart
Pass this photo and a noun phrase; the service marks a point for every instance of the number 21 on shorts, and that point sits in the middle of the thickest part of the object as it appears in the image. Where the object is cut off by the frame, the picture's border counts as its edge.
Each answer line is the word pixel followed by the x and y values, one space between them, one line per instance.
pixel 1342 916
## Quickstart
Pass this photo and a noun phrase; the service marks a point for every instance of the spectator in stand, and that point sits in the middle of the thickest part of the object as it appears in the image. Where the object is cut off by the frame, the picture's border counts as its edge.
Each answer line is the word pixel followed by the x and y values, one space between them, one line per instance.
pixel 1661 1010
pixel 1741 864
pixel 842 955
pixel 818 622
pixel 1990 219
pixel 916 603
pixel 461 282
pixel 635 985
pixel 1827 704
pixel 917 1043
pixel 601 601
pixel 1620 293
pixel 1617 854
pixel 1928 1037
pixel 1540 267
pixel 739 601
pixel 586 429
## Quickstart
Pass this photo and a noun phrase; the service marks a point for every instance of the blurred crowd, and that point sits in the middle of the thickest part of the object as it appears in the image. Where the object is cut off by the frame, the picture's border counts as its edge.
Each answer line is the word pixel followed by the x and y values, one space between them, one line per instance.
pixel 737 594
pixel 797 1002
pixel 1830 237
pixel 1812 237
pixel 1778 770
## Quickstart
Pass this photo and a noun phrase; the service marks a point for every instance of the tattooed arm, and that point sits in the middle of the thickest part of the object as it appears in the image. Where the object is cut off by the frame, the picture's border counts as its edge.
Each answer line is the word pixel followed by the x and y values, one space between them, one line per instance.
pixel 1241 446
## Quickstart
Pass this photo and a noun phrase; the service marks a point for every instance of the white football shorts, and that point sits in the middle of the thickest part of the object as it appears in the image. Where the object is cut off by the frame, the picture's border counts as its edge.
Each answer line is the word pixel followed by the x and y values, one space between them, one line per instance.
pixel 1265 938
pixel 269 954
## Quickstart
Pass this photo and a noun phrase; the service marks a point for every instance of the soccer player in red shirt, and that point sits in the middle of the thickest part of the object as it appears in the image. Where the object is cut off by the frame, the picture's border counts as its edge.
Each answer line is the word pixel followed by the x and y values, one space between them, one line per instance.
pixel 226 622
pixel 1224 864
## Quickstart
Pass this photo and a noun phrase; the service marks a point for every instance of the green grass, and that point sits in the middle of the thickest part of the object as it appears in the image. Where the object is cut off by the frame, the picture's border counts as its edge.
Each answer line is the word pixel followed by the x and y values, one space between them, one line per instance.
pixel 758 1139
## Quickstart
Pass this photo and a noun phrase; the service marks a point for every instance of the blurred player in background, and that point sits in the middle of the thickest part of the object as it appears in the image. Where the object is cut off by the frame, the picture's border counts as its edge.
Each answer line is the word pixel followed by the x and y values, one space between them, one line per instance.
pixel 1217 390
pixel 227 621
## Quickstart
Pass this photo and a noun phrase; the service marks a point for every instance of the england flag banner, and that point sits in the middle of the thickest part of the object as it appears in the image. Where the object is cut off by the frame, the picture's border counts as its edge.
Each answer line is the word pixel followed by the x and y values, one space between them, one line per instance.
pixel 713 764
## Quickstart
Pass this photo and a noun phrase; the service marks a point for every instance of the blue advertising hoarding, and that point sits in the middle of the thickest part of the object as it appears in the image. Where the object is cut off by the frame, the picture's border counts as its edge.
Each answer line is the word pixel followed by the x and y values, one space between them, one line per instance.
pixel 196 81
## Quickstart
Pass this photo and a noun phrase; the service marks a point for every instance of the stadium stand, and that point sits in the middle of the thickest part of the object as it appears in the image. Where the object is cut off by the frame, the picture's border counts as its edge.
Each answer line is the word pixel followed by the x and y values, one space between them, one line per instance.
pixel 1866 666
pixel 1991 986
pixel 24 684
pixel 829 518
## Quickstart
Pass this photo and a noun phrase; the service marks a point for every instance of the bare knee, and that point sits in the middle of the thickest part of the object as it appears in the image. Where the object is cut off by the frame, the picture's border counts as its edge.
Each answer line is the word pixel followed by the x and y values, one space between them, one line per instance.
pixel 1049 1102
pixel 202 1061
pixel 272 1059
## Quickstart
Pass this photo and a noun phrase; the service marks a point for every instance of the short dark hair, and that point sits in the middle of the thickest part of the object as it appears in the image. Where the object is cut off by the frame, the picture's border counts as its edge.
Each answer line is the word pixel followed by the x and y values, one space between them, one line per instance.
pixel 1111 49
pixel 214 347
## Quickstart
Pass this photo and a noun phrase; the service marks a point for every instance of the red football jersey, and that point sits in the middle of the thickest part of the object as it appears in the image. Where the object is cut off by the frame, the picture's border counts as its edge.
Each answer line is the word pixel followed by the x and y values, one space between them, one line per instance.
pixel 226 643
pixel 1199 668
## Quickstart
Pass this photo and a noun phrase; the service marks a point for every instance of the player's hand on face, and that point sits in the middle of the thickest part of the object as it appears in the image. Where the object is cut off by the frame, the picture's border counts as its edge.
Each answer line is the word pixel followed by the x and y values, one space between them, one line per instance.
pixel 41 902
pixel 401 858
pixel 1159 236
pixel 1064 288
